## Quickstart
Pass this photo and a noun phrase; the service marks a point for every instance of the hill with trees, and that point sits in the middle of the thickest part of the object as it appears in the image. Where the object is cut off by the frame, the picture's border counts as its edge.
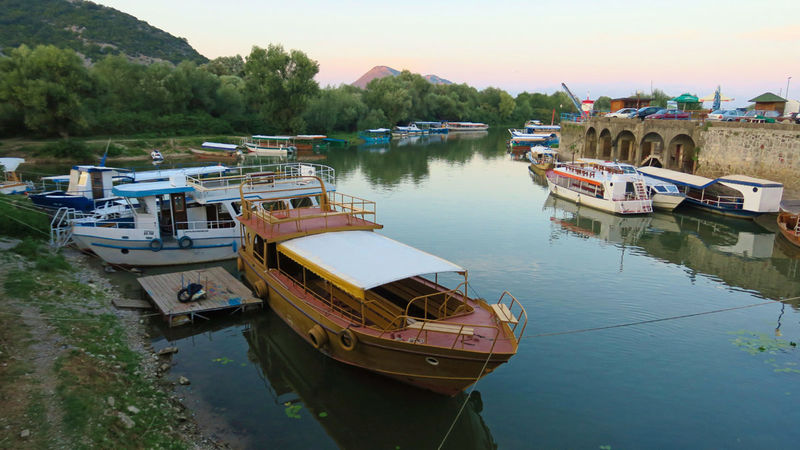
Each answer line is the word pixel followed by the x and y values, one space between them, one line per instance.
pixel 91 30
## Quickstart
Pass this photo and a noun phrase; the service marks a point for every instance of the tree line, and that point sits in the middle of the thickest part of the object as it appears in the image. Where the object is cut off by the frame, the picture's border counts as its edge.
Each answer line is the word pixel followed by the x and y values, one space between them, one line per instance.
pixel 47 91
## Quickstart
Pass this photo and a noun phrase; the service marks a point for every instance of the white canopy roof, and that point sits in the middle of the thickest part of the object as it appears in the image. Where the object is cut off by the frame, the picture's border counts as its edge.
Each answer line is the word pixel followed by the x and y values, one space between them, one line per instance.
pixel 362 259
pixel 676 177
pixel 11 164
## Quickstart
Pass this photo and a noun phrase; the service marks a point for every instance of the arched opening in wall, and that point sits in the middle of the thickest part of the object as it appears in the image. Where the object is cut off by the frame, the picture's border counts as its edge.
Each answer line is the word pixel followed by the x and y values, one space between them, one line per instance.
pixel 681 154
pixel 604 152
pixel 652 146
pixel 626 147
pixel 590 143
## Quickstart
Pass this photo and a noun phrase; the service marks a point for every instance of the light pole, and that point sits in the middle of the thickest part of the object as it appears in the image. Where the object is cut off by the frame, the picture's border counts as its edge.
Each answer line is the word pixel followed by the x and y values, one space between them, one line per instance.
pixel 787 86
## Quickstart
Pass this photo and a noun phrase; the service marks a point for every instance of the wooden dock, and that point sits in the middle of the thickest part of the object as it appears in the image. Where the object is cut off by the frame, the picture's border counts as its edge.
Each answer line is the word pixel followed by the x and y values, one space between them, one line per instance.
pixel 223 291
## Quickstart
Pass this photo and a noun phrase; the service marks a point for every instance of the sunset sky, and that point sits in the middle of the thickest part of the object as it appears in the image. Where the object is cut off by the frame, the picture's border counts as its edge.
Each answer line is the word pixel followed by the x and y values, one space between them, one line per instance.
pixel 606 48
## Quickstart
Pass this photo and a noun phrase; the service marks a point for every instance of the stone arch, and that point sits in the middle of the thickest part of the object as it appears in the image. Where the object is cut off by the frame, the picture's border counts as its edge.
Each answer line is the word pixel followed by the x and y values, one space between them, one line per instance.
pixel 680 153
pixel 590 143
pixel 604 145
pixel 651 148
pixel 626 146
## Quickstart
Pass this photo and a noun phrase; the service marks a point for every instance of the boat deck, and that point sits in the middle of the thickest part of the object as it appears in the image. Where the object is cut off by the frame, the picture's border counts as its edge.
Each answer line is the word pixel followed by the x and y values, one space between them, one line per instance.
pixel 302 221
pixel 223 291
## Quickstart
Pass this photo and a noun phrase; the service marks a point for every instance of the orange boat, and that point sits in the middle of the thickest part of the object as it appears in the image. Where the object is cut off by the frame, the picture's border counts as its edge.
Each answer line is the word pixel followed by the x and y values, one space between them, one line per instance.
pixel 367 300
pixel 789 224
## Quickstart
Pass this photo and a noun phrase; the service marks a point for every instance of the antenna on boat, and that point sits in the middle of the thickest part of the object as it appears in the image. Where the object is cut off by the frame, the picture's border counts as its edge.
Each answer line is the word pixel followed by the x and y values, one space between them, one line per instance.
pixel 103 159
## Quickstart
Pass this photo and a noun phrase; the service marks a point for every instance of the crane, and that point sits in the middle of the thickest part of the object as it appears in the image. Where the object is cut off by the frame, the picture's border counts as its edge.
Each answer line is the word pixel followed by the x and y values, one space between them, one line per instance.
pixel 574 99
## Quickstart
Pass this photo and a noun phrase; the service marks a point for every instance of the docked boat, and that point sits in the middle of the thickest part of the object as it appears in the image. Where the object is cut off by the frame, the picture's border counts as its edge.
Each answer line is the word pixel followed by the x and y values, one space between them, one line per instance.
pixel 89 187
pixel 313 142
pixel 542 159
pixel 432 127
pixel 535 126
pixel 185 219
pixel 789 222
pixel 11 183
pixel 606 188
pixel 218 151
pixel 156 156
pixel 367 300
pixel 733 195
pixel 263 145
pixel 376 135
pixel 465 126
pixel 410 130
pixel 665 195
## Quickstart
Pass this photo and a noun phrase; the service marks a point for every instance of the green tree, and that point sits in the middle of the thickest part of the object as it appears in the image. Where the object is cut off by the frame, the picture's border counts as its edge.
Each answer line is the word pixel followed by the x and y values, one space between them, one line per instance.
pixel 602 103
pixel 48 86
pixel 226 65
pixel 660 98
pixel 279 85
pixel 390 95
pixel 335 109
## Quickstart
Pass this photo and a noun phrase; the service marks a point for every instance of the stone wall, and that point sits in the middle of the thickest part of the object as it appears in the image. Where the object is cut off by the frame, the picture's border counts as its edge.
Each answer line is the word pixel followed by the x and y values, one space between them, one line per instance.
pixel 770 151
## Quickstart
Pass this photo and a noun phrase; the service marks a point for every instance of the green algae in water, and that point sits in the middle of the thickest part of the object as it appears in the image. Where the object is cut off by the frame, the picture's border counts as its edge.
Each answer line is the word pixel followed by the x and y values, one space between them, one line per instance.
pixel 224 360
pixel 756 343
pixel 292 411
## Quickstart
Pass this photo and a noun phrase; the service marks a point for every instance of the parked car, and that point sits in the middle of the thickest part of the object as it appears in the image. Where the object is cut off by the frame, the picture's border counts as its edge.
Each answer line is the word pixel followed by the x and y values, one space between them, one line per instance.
pixel 790 118
pixel 624 113
pixel 758 115
pixel 725 115
pixel 646 111
pixel 670 114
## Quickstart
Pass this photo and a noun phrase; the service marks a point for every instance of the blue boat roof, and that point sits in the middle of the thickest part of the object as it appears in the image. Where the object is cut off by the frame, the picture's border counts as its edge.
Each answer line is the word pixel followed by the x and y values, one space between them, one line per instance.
pixel 137 190
pixel 334 140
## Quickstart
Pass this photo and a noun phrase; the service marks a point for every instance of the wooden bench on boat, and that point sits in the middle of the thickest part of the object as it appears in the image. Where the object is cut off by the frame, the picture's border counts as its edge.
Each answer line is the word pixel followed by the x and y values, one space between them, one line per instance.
pixel 503 313
pixel 442 328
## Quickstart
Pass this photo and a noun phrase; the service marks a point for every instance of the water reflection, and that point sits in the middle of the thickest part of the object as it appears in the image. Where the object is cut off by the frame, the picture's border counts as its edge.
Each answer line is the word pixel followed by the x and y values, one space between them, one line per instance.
pixel 739 253
pixel 359 409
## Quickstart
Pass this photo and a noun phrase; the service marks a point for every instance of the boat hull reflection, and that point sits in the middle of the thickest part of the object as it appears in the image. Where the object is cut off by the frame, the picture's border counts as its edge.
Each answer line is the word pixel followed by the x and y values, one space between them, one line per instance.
pixel 359 409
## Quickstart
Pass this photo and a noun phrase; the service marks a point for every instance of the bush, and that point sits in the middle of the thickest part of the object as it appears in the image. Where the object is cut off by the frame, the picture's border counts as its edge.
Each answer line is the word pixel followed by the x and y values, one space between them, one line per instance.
pixel 65 149
pixel 19 219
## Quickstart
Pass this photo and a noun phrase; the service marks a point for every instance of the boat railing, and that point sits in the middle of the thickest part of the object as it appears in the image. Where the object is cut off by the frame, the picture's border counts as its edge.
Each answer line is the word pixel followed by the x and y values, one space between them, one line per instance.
pixel 351 205
pixel 441 308
pixel 516 314
pixel 236 176
pixel 202 225
pixel 329 302
pixel 720 201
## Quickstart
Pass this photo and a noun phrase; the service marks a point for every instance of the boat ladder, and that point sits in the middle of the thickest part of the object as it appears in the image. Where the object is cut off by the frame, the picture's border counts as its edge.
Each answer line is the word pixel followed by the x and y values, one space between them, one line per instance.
pixel 641 190
pixel 61 227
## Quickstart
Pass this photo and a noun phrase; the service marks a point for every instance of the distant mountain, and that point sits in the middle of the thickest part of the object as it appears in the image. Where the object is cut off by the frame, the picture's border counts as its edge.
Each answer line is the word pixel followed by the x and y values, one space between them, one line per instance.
pixel 90 29
pixel 385 71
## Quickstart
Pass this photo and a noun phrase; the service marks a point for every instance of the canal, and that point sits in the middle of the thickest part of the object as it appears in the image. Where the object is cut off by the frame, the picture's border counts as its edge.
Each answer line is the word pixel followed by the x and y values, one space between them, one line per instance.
pixel 598 368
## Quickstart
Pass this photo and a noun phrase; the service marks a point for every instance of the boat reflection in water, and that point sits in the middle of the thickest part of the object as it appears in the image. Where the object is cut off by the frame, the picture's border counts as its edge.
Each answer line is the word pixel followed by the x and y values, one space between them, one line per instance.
pixel 737 253
pixel 359 409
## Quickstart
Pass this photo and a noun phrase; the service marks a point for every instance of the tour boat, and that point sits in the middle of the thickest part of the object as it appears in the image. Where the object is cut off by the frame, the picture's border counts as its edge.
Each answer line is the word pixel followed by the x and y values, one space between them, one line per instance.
pixel 314 142
pixel 89 187
pixel 262 145
pixel 11 183
pixel 535 126
pixel 367 300
pixel 611 189
pixel 665 195
pixel 376 135
pixel 733 195
pixel 789 222
pixel 432 127
pixel 542 159
pixel 465 126
pixel 185 219
pixel 410 130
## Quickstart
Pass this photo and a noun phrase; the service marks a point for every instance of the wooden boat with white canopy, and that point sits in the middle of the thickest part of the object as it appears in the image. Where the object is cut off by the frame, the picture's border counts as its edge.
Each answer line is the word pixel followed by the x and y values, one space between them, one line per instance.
pixel 789 221
pixel 367 300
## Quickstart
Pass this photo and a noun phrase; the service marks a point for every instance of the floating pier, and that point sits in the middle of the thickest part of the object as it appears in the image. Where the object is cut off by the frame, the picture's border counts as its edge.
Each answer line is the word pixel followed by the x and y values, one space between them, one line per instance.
pixel 223 291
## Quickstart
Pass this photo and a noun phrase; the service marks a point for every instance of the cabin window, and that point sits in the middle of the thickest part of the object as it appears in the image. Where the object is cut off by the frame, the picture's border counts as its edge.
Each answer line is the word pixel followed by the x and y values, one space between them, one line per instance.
pixel 258 248
pixel 303 202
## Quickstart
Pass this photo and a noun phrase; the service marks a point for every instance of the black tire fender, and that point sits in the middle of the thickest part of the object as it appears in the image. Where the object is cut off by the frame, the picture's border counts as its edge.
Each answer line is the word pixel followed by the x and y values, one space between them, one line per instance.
pixel 156 244
pixel 185 242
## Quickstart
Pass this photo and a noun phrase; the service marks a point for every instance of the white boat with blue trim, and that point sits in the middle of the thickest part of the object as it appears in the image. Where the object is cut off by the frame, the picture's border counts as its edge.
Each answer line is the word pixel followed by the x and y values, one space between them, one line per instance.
pixel 665 195
pixel 733 195
pixel 185 219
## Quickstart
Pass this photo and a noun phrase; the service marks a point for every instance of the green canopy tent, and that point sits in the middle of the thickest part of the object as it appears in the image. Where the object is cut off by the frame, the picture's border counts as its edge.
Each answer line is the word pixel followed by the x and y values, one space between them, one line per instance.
pixel 685 98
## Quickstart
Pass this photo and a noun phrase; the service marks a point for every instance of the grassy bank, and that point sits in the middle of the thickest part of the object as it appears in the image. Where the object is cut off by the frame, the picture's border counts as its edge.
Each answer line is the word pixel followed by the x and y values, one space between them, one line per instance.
pixel 74 371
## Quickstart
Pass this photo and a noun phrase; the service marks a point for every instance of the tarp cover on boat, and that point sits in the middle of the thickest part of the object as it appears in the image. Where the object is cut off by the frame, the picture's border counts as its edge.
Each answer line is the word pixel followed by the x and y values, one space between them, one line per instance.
pixel 11 164
pixel 360 260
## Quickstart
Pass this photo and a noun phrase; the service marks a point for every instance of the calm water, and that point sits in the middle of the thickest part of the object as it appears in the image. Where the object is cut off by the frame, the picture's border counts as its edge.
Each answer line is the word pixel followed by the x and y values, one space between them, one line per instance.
pixel 724 380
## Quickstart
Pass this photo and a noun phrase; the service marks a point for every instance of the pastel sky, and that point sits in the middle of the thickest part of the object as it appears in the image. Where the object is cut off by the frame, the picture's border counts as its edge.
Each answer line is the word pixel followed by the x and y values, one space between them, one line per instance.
pixel 604 48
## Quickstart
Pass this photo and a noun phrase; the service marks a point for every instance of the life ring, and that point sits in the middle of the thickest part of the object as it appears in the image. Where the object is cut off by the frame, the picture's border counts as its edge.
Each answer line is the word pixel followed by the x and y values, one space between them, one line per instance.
pixel 347 339
pixel 185 242
pixel 317 336
pixel 156 244
pixel 261 289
